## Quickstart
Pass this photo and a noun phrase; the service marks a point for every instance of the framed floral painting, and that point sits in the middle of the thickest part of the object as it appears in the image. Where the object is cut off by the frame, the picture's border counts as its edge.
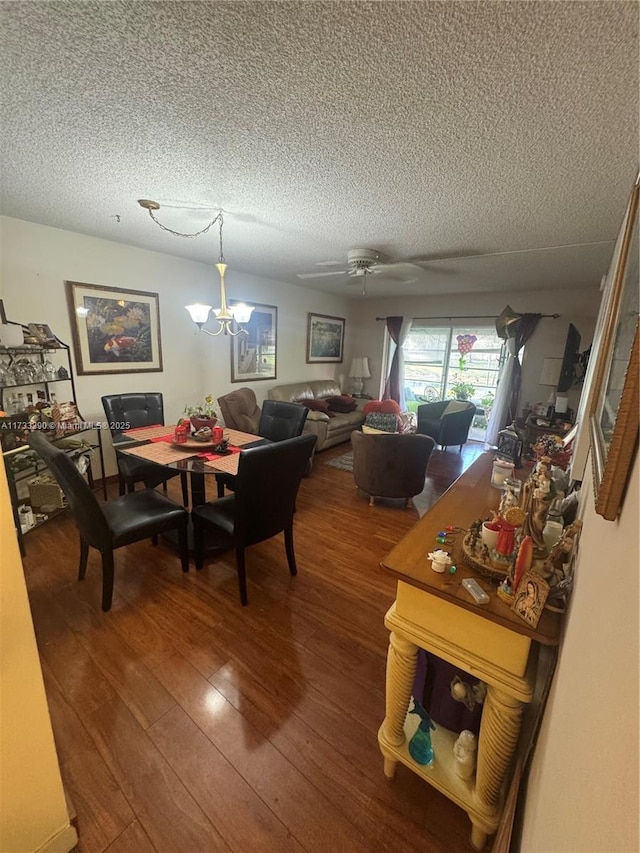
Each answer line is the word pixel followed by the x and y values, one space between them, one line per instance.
pixel 114 330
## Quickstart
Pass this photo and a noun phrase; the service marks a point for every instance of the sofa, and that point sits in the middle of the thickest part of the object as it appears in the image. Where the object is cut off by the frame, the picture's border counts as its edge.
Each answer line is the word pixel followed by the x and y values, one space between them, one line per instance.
pixel 330 428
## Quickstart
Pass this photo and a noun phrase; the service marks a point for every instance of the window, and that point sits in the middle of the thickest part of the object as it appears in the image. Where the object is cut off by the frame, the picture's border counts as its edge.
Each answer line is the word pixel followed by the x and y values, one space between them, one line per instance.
pixel 435 370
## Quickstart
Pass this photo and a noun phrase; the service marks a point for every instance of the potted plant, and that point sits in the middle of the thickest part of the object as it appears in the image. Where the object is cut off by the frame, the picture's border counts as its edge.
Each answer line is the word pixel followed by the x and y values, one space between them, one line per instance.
pixel 203 414
pixel 462 390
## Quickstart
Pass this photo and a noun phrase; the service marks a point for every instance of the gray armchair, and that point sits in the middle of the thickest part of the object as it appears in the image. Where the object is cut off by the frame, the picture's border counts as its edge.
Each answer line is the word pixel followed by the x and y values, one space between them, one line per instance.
pixel 390 465
pixel 447 422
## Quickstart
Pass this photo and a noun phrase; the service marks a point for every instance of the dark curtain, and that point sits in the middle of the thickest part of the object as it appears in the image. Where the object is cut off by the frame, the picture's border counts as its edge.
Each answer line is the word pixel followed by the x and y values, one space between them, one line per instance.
pixel 392 385
pixel 520 331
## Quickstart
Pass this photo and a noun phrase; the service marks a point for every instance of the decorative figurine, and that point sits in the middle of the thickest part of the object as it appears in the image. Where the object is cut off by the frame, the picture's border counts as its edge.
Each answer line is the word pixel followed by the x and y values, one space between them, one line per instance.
pixel 464 750
pixel 420 747
pixel 440 561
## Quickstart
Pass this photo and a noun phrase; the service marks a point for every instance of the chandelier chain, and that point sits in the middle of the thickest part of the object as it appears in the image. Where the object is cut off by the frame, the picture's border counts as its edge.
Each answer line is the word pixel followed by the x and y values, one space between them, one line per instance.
pixel 204 230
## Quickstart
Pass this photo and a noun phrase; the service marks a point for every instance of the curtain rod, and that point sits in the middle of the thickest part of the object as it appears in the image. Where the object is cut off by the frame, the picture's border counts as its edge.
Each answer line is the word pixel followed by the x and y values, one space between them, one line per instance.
pixel 465 317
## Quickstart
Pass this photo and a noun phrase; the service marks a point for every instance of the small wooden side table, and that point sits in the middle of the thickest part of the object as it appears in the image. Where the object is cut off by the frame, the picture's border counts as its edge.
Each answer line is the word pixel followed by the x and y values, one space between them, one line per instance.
pixel 434 612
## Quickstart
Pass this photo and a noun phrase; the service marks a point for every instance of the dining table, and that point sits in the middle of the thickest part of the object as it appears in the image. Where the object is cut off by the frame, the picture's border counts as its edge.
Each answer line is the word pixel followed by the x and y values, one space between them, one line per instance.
pixel 197 459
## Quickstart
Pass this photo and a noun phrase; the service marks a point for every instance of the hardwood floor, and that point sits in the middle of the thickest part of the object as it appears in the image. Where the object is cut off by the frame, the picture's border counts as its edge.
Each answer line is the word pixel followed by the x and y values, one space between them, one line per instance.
pixel 185 722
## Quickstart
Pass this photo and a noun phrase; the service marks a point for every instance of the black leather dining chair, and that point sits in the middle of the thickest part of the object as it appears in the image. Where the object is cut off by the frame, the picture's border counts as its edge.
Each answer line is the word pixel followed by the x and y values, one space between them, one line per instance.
pixel 278 422
pixel 263 505
pixel 111 525
pixel 138 410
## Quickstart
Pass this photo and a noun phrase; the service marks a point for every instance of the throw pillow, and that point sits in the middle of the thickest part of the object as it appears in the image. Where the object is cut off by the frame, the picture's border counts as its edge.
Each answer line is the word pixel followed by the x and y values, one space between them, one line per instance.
pixel 316 406
pixel 384 406
pixel 342 404
pixel 385 421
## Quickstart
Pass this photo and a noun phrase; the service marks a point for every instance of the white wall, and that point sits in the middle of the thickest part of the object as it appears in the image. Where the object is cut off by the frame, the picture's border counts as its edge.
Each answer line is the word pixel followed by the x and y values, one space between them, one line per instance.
pixel 579 307
pixel 36 260
pixel 583 788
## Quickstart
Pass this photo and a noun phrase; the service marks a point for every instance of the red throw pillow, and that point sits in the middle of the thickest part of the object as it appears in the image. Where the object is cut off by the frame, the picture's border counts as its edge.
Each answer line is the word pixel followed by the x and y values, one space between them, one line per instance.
pixel 386 407
pixel 342 403
pixel 316 406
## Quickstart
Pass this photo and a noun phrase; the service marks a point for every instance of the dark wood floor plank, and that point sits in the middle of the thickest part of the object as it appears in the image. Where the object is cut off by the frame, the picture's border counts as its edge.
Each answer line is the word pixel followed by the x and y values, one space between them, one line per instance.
pixel 239 815
pixel 101 808
pixel 337 755
pixel 289 716
pixel 136 685
pixel 292 798
pixel 192 640
pixel 85 686
pixel 168 813
pixel 133 840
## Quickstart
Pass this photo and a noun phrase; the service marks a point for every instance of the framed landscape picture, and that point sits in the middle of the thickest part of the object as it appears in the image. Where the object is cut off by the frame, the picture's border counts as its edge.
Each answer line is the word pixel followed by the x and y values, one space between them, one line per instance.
pixel 254 355
pixel 325 339
pixel 114 330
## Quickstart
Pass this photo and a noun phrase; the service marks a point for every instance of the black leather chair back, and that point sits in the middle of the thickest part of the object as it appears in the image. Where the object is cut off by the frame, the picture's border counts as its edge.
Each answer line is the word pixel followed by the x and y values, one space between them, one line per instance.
pixel 280 421
pixel 266 487
pixel 133 410
pixel 84 505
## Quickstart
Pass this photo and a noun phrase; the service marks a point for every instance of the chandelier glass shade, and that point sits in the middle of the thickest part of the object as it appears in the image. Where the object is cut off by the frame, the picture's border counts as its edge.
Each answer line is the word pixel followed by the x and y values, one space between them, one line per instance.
pixel 226 315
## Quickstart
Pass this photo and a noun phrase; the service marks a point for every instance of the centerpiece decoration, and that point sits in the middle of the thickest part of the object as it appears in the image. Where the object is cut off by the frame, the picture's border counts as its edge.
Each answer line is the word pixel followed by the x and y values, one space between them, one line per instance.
pixel 203 414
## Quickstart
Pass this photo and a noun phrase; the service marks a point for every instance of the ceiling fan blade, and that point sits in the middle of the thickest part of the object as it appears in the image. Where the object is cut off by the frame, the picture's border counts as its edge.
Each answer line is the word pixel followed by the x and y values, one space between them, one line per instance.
pixel 469 254
pixel 320 274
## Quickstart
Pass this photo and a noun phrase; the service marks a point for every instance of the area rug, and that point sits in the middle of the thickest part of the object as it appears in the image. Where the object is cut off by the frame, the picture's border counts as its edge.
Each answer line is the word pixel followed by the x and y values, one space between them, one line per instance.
pixel 343 463
pixel 422 502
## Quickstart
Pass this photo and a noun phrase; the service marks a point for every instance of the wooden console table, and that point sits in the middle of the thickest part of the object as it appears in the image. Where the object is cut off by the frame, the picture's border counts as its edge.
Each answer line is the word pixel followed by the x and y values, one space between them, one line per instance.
pixel 434 612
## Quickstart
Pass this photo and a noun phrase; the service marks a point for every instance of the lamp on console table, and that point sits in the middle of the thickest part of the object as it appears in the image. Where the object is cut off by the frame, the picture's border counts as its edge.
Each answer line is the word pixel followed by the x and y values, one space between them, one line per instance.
pixel 359 371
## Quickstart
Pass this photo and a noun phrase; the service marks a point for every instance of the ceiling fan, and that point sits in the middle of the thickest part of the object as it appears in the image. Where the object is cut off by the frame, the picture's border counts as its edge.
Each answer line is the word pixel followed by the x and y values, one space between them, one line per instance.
pixel 365 262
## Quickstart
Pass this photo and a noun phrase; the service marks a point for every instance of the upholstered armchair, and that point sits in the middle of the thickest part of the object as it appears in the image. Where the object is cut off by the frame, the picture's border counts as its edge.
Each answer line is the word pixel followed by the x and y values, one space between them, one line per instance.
pixel 240 410
pixel 447 422
pixel 390 465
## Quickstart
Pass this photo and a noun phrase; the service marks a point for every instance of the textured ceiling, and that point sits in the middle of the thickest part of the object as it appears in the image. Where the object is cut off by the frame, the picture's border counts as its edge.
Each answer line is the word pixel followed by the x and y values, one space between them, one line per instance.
pixel 419 129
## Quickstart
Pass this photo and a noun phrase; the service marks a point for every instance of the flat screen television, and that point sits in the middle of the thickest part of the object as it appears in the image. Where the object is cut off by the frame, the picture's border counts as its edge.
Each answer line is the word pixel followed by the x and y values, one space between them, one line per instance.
pixel 570 360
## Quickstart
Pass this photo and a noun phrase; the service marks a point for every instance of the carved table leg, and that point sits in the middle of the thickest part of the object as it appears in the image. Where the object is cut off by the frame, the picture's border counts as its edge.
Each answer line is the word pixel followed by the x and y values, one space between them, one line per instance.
pixel 499 731
pixel 402 660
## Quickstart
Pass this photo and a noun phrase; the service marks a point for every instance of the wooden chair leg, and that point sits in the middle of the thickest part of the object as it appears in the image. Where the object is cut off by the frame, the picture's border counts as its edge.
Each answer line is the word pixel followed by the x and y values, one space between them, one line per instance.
pixel 242 575
pixel 107 580
pixel 84 554
pixel 288 544
pixel 185 488
pixel 183 544
pixel 198 543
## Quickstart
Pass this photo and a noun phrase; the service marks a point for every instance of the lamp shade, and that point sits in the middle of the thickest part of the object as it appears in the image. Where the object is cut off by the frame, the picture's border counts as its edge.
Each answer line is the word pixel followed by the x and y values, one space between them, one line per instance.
pixel 359 368
pixel 241 312
pixel 199 312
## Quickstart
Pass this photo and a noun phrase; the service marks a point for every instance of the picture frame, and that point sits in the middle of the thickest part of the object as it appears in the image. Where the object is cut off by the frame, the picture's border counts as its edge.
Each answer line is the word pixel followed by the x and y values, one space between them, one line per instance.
pixel 114 330
pixel 254 356
pixel 325 339
pixel 42 333
pixel 614 413
pixel 530 598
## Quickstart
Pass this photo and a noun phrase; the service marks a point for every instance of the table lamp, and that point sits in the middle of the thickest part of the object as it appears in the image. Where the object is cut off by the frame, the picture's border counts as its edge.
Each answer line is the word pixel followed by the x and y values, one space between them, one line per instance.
pixel 358 371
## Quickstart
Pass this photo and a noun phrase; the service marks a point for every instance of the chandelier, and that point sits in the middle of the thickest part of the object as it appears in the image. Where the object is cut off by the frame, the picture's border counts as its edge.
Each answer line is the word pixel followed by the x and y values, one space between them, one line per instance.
pixel 226 315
